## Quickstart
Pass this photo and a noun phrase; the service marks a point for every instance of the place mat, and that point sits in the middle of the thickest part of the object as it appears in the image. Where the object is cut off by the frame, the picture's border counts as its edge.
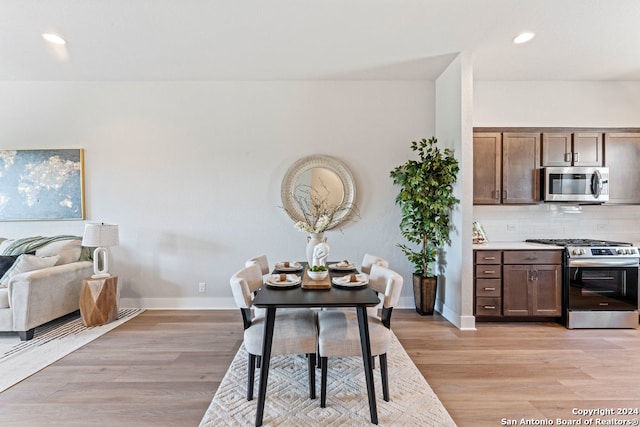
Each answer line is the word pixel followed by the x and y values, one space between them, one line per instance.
pixel 308 283
pixel 345 265
pixel 291 281
pixel 293 266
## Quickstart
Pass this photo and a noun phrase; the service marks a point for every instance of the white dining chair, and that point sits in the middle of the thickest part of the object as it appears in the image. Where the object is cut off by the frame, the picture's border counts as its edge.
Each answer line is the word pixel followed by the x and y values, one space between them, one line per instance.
pixel 295 330
pixel 368 260
pixel 262 262
pixel 339 333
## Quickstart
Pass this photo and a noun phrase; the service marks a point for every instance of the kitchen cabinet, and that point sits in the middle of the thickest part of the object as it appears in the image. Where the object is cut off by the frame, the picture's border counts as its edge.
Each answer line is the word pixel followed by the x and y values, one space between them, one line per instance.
pixel 506 168
pixel 517 284
pixel 488 283
pixel 622 151
pixel 572 149
pixel 532 283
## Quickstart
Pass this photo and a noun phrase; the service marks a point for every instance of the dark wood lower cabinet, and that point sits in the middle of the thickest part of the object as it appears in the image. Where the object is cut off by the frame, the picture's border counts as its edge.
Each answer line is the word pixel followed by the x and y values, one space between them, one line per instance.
pixel 532 290
pixel 520 284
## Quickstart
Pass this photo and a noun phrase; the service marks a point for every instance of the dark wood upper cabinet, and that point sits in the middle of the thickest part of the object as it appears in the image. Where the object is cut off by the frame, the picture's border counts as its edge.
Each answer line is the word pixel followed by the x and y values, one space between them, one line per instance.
pixel 507 161
pixel 572 149
pixel 622 154
pixel 487 168
pixel 520 168
pixel 505 168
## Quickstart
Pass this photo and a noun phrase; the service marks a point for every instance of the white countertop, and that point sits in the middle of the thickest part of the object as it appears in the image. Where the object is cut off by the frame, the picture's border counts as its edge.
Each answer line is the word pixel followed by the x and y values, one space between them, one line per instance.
pixel 495 246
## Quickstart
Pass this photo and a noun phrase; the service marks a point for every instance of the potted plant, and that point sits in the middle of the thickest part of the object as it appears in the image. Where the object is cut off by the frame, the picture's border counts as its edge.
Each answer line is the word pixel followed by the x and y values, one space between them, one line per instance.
pixel 426 199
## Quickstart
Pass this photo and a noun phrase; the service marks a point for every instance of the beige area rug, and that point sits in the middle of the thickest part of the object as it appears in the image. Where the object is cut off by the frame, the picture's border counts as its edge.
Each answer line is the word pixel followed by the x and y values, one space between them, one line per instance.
pixel 412 401
pixel 51 342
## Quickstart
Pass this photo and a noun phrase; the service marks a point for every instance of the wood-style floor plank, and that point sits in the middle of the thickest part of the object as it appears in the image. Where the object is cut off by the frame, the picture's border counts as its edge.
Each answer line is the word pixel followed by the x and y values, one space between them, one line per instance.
pixel 162 368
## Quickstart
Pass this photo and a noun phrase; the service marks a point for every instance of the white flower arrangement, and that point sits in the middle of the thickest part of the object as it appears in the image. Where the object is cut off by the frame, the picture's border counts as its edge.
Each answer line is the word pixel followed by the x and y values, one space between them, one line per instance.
pixel 319 215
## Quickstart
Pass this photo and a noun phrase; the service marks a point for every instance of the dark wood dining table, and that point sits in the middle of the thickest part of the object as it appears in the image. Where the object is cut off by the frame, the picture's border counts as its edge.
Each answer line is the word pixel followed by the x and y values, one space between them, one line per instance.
pixel 360 298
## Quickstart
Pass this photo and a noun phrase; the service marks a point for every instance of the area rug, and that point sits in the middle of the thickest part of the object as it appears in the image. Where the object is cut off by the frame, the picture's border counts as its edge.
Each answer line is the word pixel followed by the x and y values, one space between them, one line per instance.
pixel 412 401
pixel 51 342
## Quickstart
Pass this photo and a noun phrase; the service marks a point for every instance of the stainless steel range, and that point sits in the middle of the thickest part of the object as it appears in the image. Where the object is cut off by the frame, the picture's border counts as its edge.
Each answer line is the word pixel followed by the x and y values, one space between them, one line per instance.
pixel 600 288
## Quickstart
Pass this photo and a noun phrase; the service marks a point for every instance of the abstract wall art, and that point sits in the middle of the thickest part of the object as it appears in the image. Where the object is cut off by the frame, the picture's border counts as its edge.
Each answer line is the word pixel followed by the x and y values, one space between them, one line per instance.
pixel 41 184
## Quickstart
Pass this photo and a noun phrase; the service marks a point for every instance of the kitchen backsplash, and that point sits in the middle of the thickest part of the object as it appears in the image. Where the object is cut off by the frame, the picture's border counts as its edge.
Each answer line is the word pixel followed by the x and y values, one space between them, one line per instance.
pixel 557 220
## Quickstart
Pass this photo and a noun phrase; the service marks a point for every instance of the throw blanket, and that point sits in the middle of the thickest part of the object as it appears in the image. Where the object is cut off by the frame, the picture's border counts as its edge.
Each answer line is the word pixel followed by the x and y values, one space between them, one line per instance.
pixel 31 244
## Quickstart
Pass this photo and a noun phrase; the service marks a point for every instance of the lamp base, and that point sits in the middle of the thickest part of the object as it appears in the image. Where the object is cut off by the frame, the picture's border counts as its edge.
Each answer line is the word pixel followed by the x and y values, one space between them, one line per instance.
pixel 100 275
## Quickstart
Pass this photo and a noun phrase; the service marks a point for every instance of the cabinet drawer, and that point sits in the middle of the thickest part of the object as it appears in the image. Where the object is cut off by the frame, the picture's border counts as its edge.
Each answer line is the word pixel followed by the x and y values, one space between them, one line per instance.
pixel 532 257
pixel 488 307
pixel 488 288
pixel 488 257
pixel 488 271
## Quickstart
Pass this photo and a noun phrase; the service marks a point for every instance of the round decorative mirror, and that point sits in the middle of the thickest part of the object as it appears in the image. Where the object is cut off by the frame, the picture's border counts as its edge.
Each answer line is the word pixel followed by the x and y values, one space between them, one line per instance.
pixel 315 184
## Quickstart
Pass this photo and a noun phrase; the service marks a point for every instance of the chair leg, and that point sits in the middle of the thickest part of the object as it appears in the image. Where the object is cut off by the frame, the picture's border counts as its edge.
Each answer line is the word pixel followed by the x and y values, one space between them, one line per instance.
pixel 251 369
pixel 385 377
pixel 323 382
pixel 259 361
pixel 312 375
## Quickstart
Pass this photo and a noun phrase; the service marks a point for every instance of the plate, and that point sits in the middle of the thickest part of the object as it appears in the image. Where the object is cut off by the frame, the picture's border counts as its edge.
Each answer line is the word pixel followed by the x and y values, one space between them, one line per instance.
pixel 293 266
pixel 292 280
pixel 343 282
pixel 342 266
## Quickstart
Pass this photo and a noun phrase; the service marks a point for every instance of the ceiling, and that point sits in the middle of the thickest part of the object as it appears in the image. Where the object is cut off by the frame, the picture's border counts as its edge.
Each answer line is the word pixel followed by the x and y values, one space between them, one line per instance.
pixel 195 40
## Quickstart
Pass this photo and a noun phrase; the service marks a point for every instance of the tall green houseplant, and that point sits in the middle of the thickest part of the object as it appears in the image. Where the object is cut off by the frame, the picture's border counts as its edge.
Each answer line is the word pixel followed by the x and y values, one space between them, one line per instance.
pixel 426 199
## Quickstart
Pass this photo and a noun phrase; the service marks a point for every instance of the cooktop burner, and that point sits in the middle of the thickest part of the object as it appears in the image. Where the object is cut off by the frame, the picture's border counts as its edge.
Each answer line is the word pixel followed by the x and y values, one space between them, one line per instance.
pixel 577 242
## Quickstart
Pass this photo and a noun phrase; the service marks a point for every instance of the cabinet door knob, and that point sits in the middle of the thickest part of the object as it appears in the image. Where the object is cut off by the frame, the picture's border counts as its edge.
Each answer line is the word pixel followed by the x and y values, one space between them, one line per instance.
pixel 489 272
pixel 490 307
pixel 576 157
pixel 489 289
pixel 489 258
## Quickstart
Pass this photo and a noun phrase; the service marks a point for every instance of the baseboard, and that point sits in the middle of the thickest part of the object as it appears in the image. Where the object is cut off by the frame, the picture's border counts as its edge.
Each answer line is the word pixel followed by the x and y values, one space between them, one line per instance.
pixel 465 323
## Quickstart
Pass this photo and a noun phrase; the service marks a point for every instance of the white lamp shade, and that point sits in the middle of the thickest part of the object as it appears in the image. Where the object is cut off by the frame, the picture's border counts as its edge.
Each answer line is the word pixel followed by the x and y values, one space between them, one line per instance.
pixel 100 235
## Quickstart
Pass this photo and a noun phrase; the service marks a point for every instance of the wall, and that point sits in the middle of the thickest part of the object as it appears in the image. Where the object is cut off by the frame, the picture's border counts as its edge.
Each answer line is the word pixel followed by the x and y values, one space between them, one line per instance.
pixel 579 104
pixel 191 171
pixel 454 128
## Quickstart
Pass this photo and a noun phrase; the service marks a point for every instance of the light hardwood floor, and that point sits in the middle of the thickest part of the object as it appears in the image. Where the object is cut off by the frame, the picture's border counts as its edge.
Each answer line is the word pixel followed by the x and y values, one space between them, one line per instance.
pixel 163 367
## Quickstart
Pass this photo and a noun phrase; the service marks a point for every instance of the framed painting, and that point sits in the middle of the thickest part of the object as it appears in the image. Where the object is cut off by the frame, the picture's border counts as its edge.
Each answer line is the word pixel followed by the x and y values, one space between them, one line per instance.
pixel 41 184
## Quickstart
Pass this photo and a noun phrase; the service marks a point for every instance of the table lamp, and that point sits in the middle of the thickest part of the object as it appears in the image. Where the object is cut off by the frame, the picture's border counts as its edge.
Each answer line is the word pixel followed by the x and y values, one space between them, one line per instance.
pixel 100 236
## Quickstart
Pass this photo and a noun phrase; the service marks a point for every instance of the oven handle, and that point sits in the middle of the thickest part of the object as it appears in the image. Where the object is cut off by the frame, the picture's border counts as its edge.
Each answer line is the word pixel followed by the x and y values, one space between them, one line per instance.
pixel 607 263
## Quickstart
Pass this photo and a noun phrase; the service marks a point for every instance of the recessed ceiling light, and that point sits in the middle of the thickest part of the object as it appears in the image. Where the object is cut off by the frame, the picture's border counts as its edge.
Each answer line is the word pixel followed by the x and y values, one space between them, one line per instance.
pixel 53 38
pixel 523 37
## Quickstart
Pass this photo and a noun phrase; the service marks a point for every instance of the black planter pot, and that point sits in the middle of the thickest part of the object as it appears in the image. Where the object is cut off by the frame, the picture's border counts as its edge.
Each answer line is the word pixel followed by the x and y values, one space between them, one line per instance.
pixel 424 293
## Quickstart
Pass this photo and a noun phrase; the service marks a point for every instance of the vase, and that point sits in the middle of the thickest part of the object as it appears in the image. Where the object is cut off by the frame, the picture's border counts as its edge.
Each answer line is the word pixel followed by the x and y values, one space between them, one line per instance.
pixel 312 240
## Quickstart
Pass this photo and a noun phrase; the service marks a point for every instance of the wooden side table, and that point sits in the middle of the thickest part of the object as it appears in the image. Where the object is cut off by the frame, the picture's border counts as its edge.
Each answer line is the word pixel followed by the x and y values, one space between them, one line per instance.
pixel 99 300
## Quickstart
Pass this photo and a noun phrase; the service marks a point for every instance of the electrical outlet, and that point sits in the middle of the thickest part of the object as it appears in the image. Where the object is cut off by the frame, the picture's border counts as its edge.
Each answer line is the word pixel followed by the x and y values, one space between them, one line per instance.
pixel 512 227
pixel 202 287
pixel 602 227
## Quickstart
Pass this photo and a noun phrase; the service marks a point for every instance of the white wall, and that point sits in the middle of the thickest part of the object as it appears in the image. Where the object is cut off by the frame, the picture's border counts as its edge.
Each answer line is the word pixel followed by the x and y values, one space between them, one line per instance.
pixel 192 171
pixel 571 104
pixel 454 129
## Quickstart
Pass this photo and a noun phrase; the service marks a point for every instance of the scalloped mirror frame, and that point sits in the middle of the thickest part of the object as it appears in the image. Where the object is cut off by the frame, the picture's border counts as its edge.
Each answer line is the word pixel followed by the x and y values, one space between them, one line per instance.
pixel 317 161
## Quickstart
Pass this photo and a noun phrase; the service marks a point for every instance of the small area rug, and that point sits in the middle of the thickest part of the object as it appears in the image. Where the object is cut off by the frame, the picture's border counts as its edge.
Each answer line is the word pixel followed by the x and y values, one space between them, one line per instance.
pixel 412 401
pixel 51 341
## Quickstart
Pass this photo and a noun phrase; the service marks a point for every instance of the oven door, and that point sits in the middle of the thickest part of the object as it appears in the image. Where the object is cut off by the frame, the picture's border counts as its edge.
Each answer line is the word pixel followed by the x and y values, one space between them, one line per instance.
pixel 602 288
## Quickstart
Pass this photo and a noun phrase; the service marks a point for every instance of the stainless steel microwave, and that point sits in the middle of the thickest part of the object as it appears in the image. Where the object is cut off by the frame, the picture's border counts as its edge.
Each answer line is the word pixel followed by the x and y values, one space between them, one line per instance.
pixel 578 184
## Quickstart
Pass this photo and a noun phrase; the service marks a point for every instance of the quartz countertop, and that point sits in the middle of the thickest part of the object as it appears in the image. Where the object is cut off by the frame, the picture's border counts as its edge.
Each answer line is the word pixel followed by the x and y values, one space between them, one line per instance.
pixel 496 246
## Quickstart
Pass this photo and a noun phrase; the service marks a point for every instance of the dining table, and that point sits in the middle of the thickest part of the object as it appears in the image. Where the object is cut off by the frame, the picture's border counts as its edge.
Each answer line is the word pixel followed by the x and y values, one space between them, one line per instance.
pixel 333 297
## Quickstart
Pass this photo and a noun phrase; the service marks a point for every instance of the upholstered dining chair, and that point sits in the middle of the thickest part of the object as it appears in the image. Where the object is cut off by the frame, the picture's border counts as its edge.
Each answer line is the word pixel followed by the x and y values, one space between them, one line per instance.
pixel 339 334
pixel 368 260
pixel 262 262
pixel 295 329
